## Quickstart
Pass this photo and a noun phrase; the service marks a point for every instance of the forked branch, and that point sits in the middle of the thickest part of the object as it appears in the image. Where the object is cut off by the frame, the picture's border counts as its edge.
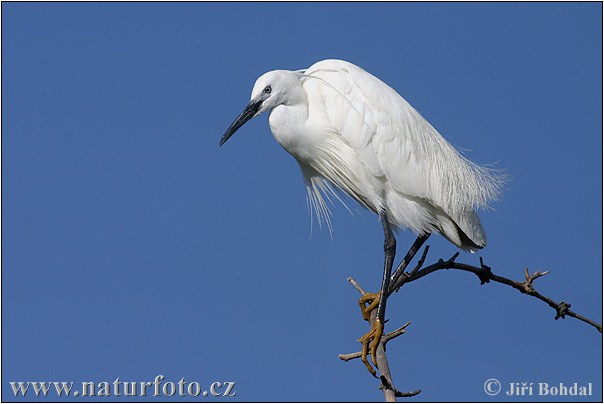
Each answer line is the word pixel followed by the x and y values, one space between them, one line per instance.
pixel 390 392
pixel 484 274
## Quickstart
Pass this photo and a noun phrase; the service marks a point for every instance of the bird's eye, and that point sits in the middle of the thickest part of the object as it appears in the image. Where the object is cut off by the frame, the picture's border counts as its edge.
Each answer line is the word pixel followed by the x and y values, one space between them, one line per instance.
pixel 267 90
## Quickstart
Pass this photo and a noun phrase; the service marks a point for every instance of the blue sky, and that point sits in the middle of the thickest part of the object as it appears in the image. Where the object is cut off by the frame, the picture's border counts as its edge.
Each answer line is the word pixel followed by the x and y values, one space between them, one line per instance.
pixel 133 246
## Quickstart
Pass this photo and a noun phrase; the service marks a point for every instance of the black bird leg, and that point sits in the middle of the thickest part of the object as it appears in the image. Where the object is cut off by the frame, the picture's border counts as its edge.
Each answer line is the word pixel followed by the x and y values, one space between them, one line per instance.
pixel 389 253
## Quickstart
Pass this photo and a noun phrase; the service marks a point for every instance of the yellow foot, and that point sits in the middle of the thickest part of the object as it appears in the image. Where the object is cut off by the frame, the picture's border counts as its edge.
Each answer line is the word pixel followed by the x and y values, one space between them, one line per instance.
pixel 372 299
pixel 370 342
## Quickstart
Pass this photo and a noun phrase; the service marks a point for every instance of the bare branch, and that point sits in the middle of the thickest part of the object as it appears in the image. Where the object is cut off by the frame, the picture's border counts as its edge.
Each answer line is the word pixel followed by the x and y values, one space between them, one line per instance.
pixel 397 393
pixel 407 393
pixel 347 357
pixel 387 337
pixel 396 333
pixel 356 285
pixel 485 275
pixel 420 262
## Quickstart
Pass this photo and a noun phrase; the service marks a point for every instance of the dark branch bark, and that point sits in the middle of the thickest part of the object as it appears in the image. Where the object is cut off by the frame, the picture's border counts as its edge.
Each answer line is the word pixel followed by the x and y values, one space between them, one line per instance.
pixel 397 393
pixel 485 275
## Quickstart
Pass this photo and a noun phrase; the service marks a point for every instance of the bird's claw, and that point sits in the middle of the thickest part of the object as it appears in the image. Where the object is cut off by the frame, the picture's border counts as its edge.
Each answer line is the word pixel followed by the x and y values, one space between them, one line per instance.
pixel 370 341
pixel 372 299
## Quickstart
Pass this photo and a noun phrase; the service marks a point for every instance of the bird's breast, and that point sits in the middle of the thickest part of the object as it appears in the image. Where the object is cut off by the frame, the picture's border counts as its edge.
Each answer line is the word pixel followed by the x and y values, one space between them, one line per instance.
pixel 319 149
pixel 289 127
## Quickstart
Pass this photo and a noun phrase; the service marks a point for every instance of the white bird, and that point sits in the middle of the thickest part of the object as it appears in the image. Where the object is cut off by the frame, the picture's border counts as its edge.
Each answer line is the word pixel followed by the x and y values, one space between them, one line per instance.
pixel 350 131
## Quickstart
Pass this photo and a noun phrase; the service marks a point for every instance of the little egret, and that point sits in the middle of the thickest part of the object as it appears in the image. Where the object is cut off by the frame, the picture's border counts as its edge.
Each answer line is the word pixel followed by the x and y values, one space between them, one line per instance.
pixel 350 131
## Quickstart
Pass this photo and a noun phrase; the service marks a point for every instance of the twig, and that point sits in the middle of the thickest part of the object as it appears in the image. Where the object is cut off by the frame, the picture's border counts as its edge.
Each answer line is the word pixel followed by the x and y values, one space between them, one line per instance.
pixel 356 285
pixel 407 393
pixel 390 336
pixel 396 333
pixel 347 357
pixel 397 279
pixel 397 393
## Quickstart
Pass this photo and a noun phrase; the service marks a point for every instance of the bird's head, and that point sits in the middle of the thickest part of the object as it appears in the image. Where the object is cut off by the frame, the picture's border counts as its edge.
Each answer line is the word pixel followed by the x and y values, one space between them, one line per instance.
pixel 278 87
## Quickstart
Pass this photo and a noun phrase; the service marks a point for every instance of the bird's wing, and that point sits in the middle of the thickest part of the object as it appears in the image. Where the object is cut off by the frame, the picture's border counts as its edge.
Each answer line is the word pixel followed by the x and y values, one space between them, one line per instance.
pixel 395 141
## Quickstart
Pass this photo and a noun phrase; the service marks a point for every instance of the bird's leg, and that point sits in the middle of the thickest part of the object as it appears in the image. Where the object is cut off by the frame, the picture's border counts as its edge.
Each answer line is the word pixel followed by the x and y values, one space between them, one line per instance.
pixel 417 244
pixel 371 340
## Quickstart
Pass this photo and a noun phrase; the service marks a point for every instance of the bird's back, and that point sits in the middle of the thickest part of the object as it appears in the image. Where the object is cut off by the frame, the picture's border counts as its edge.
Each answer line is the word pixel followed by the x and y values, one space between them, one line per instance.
pixel 426 184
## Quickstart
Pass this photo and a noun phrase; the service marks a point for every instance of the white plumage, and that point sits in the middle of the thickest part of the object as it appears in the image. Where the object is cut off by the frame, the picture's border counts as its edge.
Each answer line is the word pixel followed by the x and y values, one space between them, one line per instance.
pixel 348 129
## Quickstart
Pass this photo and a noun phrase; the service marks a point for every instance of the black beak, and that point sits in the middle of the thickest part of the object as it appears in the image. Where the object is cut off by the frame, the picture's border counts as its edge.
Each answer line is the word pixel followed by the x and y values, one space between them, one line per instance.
pixel 247 114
